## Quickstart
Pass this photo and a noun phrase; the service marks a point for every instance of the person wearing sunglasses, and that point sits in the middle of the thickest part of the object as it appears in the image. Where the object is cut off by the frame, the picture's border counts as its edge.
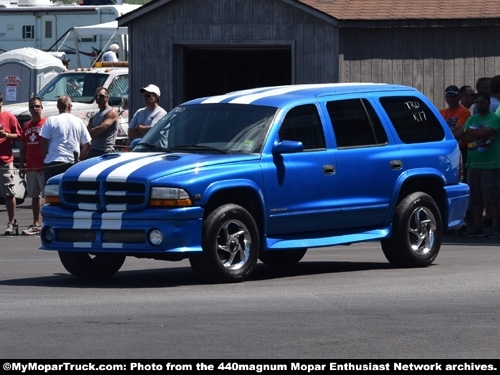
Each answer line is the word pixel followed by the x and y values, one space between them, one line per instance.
pixel 31 164
pixel 10 131
pixel 146 117
pixel 103 126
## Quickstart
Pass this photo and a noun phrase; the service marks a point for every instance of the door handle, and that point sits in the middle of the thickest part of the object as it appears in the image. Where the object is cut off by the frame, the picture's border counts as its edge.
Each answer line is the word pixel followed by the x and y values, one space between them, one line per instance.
pixel 328 169
pixel 396 164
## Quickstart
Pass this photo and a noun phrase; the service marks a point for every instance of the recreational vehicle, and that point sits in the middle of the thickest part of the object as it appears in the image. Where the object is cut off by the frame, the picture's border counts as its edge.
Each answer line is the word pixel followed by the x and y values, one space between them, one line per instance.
pixel 46 27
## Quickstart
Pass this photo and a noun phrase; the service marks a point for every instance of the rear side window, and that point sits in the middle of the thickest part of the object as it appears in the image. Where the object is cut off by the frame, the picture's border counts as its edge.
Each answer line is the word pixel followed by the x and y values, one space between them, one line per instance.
pixel 303 124
pixel 355 123
pixel 412 119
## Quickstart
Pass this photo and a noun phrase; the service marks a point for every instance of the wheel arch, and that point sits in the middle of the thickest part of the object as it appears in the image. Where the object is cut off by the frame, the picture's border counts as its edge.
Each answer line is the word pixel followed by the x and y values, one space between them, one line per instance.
pixel 245 196
pixel 432 185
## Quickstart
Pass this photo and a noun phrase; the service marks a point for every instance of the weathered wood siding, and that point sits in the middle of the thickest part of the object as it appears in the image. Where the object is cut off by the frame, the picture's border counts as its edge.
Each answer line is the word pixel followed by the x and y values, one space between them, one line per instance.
pixel 427 58
pixel 424 54
pixel 156 38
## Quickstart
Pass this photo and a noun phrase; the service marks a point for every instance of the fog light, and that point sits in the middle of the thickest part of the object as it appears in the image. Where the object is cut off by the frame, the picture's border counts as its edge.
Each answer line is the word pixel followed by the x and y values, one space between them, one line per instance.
pixel 155 237
pixel 47 234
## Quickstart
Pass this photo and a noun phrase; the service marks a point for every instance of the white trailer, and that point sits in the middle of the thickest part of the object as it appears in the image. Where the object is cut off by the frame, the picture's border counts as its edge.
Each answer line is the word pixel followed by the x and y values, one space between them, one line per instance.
pixel 46 28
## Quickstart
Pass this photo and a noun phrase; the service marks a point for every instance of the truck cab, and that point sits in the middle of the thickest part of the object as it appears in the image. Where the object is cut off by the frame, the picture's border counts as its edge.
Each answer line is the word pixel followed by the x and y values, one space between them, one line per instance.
pixel 80 84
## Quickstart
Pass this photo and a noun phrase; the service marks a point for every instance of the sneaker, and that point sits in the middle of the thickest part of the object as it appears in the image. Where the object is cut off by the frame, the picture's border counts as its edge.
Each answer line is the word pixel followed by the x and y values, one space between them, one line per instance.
pixel 9 230
pixel 492 232
pixel 473 231
pixel 32 229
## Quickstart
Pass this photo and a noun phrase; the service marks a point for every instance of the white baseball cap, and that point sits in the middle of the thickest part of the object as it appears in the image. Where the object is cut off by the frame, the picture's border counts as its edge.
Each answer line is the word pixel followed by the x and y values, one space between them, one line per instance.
pixel 153 89
pixel 114 47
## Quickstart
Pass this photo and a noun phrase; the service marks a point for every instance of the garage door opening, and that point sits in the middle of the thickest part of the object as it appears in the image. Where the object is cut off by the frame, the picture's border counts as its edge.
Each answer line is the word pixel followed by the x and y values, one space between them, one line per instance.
pixel 217 71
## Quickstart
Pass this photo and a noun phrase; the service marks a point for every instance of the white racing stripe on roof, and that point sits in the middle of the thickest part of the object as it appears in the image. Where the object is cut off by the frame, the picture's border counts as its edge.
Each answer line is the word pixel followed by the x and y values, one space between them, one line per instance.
pixel 220 98
pixel 121 173
pixel 246 99
pixel 93 171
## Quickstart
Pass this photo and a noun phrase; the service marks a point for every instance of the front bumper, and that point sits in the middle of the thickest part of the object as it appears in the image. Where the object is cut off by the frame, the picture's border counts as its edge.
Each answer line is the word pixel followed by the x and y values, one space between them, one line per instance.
pixel 135 232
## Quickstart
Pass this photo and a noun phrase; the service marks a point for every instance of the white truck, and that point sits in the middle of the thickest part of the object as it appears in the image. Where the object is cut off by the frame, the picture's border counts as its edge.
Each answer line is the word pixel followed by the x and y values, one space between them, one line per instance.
pixel 41 25
pixel 80 85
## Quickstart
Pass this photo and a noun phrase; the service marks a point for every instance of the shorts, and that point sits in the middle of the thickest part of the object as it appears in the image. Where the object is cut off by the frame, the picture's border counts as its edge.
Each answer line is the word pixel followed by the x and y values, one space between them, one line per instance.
pixel 35 181
pixel 484 186
pixel 7 183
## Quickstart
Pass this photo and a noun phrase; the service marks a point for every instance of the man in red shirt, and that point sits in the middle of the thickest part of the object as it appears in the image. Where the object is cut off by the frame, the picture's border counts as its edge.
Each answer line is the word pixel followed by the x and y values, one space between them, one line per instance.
pixel 31 162
pixel 10 131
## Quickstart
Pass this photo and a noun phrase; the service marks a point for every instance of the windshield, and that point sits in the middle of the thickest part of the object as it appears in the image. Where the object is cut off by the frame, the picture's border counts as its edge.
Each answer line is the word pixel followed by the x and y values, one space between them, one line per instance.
pixel 212 128
pixel 80 86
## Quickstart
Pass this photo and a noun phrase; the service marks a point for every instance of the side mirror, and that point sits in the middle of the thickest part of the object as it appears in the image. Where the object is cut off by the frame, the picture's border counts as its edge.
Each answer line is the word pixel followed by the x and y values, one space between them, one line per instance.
pixel 288 147
pixel 134 143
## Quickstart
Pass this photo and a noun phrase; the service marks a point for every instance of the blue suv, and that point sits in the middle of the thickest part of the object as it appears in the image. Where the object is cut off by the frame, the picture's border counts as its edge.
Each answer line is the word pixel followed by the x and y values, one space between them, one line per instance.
pixel 265 174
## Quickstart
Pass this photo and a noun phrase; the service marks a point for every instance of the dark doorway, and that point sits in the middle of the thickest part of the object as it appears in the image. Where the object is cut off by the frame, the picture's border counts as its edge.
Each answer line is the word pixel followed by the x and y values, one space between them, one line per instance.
pixel 217 71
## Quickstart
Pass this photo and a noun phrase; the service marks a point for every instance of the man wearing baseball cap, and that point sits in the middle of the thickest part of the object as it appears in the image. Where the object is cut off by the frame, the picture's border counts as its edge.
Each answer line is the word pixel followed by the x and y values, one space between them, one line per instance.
pixel 146 117
pixel 455 114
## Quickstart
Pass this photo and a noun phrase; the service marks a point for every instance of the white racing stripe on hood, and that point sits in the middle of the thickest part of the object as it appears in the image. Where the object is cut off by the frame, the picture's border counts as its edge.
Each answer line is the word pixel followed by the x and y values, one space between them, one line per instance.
pixel 95 170
pixel 121 173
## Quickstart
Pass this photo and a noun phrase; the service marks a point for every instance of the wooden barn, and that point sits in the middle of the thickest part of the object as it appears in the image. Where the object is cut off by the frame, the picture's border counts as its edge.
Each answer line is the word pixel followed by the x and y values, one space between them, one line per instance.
pixel 193 48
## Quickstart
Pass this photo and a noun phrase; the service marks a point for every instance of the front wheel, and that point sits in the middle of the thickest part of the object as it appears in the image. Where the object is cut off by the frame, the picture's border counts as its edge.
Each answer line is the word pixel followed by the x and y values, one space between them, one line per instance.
pixel 230 244
pixel 417 232
pixel 91 267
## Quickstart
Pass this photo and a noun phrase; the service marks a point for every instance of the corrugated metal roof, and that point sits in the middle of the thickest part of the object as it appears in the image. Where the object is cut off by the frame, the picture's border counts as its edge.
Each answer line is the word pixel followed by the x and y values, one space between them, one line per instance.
pixel 371 10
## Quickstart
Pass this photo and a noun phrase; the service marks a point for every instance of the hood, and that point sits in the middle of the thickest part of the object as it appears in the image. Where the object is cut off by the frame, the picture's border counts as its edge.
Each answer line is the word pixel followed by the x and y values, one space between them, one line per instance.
pixel 17 109
pixel 50 109
pixel 147 166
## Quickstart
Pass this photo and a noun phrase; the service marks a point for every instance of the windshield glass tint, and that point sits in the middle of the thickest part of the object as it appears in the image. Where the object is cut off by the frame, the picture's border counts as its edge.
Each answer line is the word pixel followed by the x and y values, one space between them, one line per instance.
pixel 226 127
pixel 80 86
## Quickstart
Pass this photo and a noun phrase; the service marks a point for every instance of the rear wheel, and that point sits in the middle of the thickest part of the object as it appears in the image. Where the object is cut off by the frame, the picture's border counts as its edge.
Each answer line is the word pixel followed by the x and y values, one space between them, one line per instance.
pixel 282 257
pixel 230 245
pixel 417 232
pixel 91 267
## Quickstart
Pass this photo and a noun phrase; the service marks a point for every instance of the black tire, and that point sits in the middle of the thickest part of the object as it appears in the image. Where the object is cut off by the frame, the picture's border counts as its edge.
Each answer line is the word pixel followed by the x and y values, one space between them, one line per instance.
pixel 91 267
pixel 282 257
pixel 417 232
pixel 230 242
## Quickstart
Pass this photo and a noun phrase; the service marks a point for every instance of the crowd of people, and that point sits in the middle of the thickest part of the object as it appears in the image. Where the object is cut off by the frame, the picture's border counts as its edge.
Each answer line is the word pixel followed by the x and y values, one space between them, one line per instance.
pixel 49 146
pixel 474 118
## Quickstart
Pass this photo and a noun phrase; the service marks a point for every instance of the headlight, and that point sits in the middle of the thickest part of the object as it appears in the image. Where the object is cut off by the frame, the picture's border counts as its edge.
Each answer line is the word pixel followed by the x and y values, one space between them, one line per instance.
pixel 169 197
pixel 51 193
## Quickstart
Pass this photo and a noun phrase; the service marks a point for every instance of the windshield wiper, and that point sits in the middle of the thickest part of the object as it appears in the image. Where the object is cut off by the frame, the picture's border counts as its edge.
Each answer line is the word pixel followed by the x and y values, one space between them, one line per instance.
pixel 195 147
